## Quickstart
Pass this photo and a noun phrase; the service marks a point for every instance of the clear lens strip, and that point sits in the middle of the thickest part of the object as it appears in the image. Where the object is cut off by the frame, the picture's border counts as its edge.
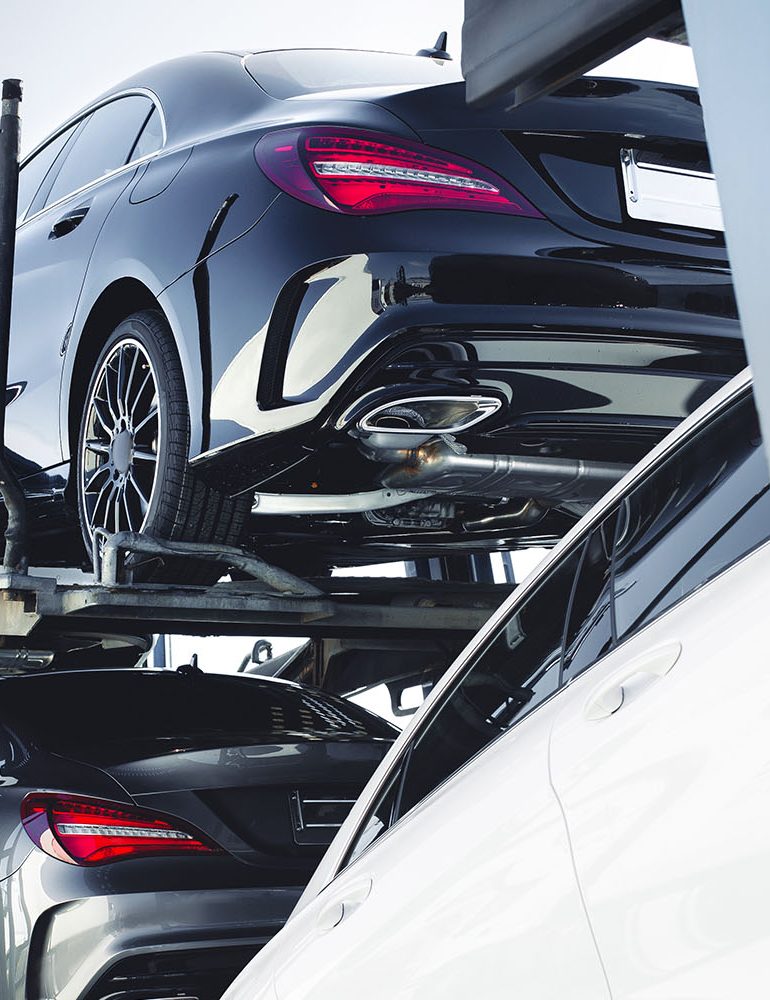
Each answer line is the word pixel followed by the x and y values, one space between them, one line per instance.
pixel 384 171
pixel 94 830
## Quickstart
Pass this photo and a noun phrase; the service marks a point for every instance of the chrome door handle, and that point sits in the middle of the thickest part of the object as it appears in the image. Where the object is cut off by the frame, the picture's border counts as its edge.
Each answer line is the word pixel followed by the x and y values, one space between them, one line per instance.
pixel 68 222
pixel 608 696
pixel 343 904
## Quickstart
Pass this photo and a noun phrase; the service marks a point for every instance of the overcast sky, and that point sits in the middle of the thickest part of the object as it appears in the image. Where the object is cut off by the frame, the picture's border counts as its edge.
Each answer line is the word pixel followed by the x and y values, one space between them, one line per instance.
pixel 68 51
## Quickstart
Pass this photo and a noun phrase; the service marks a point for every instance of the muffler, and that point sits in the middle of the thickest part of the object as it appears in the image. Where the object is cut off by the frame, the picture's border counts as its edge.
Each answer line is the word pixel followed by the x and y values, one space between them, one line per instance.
pixel 445 467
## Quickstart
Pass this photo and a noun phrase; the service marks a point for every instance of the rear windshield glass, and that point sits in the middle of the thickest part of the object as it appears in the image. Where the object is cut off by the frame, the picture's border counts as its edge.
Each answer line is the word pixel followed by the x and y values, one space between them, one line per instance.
pixel 88 712
pixel 309 71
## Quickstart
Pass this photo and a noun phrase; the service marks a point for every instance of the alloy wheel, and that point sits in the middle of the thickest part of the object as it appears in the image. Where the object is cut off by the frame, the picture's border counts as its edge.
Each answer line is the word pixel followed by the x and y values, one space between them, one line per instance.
pixel 121 445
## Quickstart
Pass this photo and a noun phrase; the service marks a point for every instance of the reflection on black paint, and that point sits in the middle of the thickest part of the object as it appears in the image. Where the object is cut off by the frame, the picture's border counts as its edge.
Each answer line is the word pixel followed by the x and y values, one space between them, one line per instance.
pixel 203 308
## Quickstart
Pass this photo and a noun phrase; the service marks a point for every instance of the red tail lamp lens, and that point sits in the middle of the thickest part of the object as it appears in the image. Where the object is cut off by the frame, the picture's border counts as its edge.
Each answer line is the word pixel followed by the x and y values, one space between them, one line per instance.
pixel 85 831
pixel 367 173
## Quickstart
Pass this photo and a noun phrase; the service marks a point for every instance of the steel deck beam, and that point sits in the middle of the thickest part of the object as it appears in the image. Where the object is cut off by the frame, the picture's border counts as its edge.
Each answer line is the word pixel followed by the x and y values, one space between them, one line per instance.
pixel 347 607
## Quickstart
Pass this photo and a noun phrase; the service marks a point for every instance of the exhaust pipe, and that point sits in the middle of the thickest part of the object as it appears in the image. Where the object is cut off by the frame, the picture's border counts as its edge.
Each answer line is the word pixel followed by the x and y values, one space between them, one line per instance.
pixel 443 468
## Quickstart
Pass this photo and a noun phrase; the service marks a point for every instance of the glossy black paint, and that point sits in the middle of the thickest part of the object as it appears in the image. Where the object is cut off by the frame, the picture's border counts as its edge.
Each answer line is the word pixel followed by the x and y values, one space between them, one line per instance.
pixel 236 790
pixel 283 313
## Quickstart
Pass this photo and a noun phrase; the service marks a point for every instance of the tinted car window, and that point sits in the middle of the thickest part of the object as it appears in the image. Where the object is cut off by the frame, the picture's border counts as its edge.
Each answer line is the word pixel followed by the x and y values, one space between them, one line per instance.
pixel 112 716
pixel 33 173
pixel 307 71
pixel 590 632
pixel 104 144
pixel 700 511
pixel 151 137
pixel 379 818
pixel 512 676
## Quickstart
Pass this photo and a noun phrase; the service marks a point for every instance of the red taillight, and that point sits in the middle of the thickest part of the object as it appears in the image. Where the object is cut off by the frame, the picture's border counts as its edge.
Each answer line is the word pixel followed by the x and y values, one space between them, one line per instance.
pixel 85 831
pixel 367 173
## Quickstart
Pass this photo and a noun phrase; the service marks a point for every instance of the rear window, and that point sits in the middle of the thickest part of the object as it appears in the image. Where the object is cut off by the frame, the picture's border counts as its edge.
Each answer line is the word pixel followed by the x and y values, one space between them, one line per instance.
pixel 295 72
pixel 119 714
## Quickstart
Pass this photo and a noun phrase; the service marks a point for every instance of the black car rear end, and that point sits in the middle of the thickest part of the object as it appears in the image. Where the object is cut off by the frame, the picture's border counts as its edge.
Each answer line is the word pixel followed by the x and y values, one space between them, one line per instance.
pixel 119 774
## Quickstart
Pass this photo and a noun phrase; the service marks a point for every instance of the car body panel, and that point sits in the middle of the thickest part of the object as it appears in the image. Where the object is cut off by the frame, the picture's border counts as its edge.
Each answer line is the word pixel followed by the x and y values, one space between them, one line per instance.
pixel 46 319
pixel 355 302
pixel 666 799
pixel 72 926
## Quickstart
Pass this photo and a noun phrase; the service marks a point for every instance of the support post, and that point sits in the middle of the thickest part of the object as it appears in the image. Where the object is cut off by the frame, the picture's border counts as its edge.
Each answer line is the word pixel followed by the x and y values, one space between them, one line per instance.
pixel 15 557
pixel 729 42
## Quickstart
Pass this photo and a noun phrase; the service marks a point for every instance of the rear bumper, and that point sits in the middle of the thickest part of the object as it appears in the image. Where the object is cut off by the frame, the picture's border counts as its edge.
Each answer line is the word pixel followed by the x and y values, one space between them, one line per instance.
pixel 112 943
pixel 301 307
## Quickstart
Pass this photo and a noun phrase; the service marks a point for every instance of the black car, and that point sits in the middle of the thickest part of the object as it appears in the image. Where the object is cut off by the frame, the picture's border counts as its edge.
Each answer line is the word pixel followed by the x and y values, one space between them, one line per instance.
pixel 309 300
pixel 157 827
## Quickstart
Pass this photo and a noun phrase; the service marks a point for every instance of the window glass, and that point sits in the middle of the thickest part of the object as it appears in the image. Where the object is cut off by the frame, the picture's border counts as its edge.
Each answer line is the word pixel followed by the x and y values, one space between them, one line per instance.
pixel 703 509
pixel 114 716
pixel 104 144
pixel 307 71
pixel 512 677
pixel 33 173
pixel 513 674
pixel 150 138
pixel 379 818
pixel 589 632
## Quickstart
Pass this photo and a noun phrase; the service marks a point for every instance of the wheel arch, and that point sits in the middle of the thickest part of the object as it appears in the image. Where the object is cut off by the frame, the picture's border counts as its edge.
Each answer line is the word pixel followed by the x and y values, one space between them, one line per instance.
pixel 117 301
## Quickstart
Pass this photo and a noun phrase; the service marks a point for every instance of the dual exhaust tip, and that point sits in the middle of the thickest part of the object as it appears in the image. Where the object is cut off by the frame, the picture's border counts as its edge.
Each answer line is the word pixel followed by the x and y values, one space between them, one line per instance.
pixel 408 422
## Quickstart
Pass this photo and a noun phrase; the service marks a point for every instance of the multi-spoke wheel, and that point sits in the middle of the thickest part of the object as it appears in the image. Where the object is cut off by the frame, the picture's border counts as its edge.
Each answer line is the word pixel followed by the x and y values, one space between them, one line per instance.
pixel 132 469
pixel 123 436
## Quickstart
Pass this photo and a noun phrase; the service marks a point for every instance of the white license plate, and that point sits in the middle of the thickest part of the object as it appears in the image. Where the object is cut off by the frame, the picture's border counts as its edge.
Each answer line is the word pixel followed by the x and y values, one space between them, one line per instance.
pixel 676 195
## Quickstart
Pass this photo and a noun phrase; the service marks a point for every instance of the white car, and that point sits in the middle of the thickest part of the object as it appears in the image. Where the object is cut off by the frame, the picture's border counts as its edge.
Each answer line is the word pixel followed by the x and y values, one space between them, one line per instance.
pixel 581 808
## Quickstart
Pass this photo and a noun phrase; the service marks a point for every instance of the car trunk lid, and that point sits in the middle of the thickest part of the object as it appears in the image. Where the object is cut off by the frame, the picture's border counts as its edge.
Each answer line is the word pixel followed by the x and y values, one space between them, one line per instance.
pixel 265 768
pixel 620 161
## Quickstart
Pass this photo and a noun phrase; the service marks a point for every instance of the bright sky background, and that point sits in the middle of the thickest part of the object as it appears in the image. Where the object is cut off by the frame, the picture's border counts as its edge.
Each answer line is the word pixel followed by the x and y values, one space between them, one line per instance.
pixel 68 51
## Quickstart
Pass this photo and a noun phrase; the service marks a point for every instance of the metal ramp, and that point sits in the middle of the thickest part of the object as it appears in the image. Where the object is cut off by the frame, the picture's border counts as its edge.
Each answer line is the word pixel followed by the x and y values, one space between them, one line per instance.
pixel 346 607
pixel 37 606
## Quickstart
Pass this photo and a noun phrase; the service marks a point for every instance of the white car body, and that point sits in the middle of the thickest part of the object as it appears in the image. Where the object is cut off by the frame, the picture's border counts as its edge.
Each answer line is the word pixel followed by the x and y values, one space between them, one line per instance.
pixel 614 842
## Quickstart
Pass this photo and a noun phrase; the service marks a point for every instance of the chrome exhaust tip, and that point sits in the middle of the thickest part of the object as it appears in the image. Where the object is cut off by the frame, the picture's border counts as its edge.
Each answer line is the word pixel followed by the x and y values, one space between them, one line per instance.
pixel 386 428
pixel 428 416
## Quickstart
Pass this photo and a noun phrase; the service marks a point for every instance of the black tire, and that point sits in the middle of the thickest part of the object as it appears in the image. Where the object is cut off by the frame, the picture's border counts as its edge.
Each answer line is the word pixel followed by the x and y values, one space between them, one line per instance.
pixel 171 503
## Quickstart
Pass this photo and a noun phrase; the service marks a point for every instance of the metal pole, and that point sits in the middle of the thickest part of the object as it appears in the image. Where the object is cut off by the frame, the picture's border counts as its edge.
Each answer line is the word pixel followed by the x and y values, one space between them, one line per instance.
pixel 729 42
pixel 15 558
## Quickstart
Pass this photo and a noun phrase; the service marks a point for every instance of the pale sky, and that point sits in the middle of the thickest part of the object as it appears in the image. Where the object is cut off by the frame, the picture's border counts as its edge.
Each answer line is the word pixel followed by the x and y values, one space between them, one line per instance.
pixel 68 51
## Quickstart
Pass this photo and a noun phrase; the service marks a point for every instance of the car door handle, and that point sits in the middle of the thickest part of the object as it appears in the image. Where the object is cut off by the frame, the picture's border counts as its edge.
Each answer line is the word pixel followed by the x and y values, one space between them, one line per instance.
pixel 68 222
pixel 343 904
pixel 608 696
